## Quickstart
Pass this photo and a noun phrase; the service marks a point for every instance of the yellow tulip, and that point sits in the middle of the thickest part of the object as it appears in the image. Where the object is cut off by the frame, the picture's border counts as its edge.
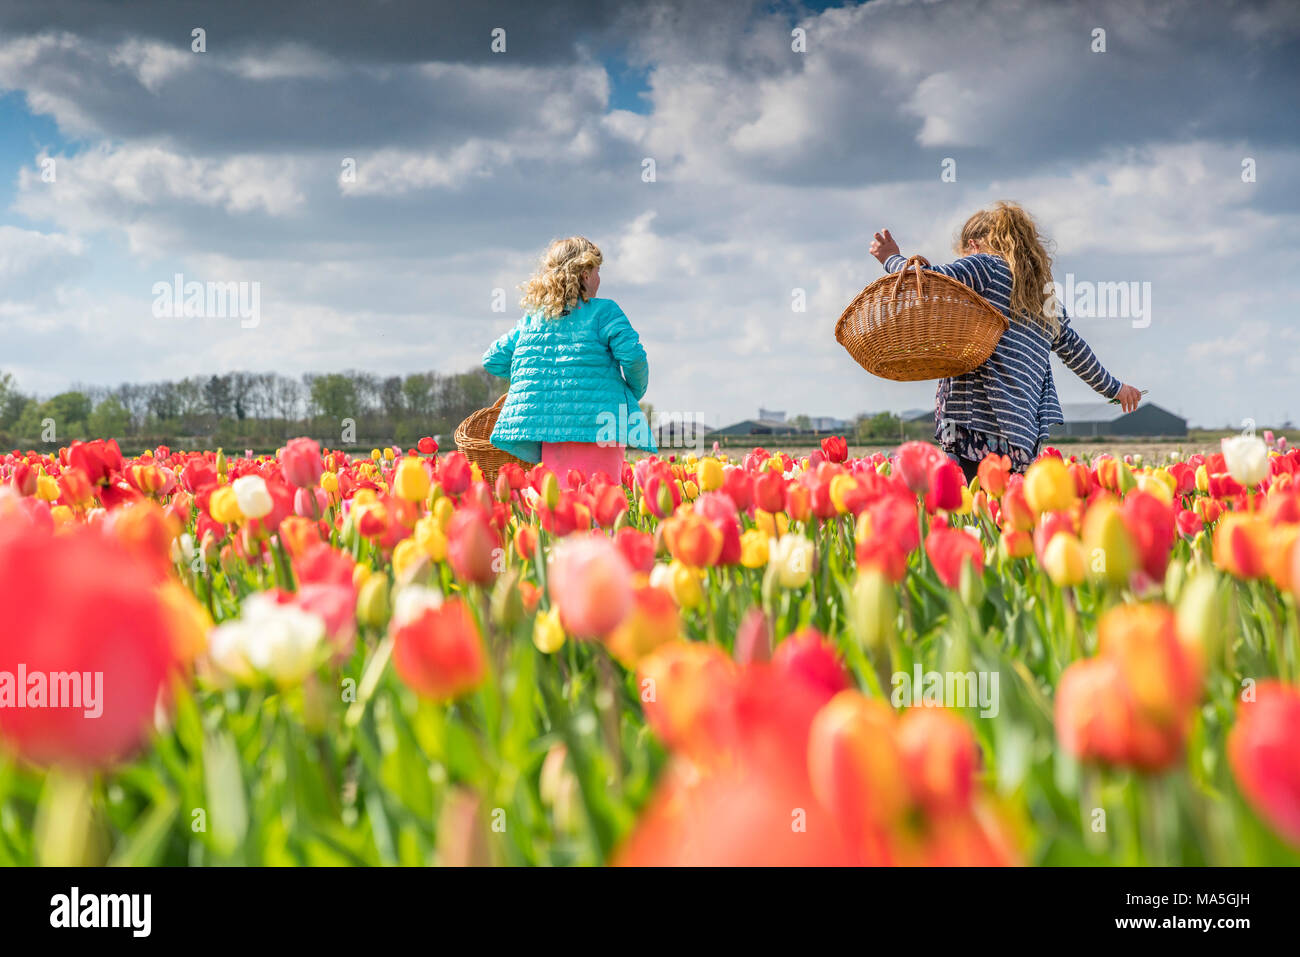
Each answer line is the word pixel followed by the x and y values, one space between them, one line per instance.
pixel 372 601
pixel 376 455
pixel 1153 485
pixel 411 481
pixel 1063 560
pixel 406 555
pixel 709 474
pixel 475 473
pixel 690 491
pixel 389 455
pixel 773 526
pixel 361 574
pixel 224 506
pixel 442 512
pixel 967 501
pixel 548 633
pixel 753 548
pixel 1049 486
pixel 364 496
pixel 329 481
pixel 62 515
pixel 1107 544
pixel 1202 479
pixel 688 585
pixel 431 538
pixel 47 488
pixel 841 486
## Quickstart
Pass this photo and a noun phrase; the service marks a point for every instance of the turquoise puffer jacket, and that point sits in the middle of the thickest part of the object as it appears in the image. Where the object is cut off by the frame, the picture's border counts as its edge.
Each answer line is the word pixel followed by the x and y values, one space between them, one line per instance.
pixel 575 378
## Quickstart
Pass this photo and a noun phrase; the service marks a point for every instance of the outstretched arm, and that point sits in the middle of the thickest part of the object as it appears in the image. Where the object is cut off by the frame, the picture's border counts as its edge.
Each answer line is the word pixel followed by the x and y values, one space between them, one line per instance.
pixel 1083 362
pixel 501 353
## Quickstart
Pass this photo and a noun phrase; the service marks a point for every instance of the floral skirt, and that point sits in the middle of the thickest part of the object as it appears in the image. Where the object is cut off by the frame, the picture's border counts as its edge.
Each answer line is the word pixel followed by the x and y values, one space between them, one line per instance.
pixel 966 443
pixel 963 443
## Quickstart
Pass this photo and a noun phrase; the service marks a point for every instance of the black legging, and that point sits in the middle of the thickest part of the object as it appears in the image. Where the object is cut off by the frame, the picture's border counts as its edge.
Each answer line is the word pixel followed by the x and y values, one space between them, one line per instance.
pixel 969 467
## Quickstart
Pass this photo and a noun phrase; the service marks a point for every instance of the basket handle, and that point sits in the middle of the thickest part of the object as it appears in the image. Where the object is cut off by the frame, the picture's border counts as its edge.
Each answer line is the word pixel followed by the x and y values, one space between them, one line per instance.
pixel 913 262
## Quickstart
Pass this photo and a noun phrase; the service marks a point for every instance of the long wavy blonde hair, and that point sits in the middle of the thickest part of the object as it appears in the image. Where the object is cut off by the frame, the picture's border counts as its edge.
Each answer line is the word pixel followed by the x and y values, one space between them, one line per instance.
pixel 1008 231
pixel 557 286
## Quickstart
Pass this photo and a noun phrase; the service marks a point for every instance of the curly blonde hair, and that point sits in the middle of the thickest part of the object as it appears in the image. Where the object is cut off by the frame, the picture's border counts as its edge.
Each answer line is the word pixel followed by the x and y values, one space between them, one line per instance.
pixel 1008 231
pixel 557 286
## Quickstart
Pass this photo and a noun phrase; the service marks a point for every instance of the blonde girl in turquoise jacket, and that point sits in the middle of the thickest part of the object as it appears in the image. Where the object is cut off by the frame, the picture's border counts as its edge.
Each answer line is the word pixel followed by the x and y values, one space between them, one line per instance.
pixel 576 367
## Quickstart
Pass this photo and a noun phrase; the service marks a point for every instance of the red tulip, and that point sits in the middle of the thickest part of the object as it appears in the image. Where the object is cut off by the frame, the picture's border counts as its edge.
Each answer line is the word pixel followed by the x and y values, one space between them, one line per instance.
pixel 835 448
pixel 100 461
pixel 1264 758
pixel 24 479
pixel 472 546
pixel 454 473
pixel 739 485
pixel 428 446
pixel 79 604
pixel 638 549
pixel 809 658
pixel 1150 522
pixel 769 492
pixel 939 755
pixel 301 463
pixel 946 483
pixel 610 501
pixel 440 652
pixel 948 549
pixel 719 509
pixel 914 460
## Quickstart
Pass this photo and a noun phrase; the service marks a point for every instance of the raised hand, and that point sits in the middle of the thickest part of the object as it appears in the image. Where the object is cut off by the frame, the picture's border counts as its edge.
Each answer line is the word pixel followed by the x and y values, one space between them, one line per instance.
pixel 883 246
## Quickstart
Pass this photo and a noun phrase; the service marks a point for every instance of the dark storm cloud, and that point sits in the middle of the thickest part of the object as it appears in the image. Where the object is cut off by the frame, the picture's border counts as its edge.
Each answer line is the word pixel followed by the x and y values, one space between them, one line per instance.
pixel 388 31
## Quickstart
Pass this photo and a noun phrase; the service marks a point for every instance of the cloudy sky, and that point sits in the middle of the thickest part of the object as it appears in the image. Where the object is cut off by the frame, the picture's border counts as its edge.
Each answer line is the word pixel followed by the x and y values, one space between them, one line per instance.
pixel 772 167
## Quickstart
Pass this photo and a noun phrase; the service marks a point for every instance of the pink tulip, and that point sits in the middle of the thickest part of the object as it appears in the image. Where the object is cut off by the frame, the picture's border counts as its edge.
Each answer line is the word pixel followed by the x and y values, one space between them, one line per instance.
pixel 591 583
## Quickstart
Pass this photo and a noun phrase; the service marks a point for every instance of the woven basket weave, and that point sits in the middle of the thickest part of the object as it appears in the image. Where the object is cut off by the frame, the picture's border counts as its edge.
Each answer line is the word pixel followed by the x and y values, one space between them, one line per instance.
pixel 930 329
pixel 473 438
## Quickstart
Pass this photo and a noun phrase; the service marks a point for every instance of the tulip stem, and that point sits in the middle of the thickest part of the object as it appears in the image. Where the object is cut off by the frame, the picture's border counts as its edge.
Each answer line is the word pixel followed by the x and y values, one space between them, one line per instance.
pixel 607 699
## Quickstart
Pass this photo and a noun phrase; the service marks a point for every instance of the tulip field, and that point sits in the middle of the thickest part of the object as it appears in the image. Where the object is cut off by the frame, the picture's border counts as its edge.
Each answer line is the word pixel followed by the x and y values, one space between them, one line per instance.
pixel 316 658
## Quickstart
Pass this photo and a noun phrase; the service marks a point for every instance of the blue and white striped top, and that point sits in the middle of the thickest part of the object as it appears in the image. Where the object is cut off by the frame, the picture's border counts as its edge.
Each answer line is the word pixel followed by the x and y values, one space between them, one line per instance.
pixel 1012 394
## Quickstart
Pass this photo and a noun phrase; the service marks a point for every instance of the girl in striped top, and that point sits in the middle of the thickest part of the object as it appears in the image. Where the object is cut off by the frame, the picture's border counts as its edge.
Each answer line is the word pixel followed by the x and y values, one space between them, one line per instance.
pixel 1006 406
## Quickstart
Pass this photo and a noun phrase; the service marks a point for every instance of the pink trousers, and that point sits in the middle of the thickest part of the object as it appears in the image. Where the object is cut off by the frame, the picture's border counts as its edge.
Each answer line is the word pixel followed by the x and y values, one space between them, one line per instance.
pixel 587 457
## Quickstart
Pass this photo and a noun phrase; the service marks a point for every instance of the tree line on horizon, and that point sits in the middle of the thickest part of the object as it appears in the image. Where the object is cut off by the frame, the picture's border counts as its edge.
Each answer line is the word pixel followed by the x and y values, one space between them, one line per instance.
pixel 249 409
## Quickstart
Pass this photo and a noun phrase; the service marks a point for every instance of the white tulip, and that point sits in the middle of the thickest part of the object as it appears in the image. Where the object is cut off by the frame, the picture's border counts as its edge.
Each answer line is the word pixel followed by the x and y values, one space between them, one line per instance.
pixel 1247 459
pixel 252 495
pixel 792 555
pixel 279 641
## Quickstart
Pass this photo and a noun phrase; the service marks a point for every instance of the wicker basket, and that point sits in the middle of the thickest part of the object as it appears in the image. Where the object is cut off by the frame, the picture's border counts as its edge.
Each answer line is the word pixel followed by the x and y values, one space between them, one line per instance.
pixel 931 329
pixel 472 437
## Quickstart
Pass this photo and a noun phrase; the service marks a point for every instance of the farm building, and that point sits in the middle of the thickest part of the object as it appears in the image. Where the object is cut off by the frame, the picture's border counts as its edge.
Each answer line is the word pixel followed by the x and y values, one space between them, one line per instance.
pixel 757 427
pixel 1104 419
